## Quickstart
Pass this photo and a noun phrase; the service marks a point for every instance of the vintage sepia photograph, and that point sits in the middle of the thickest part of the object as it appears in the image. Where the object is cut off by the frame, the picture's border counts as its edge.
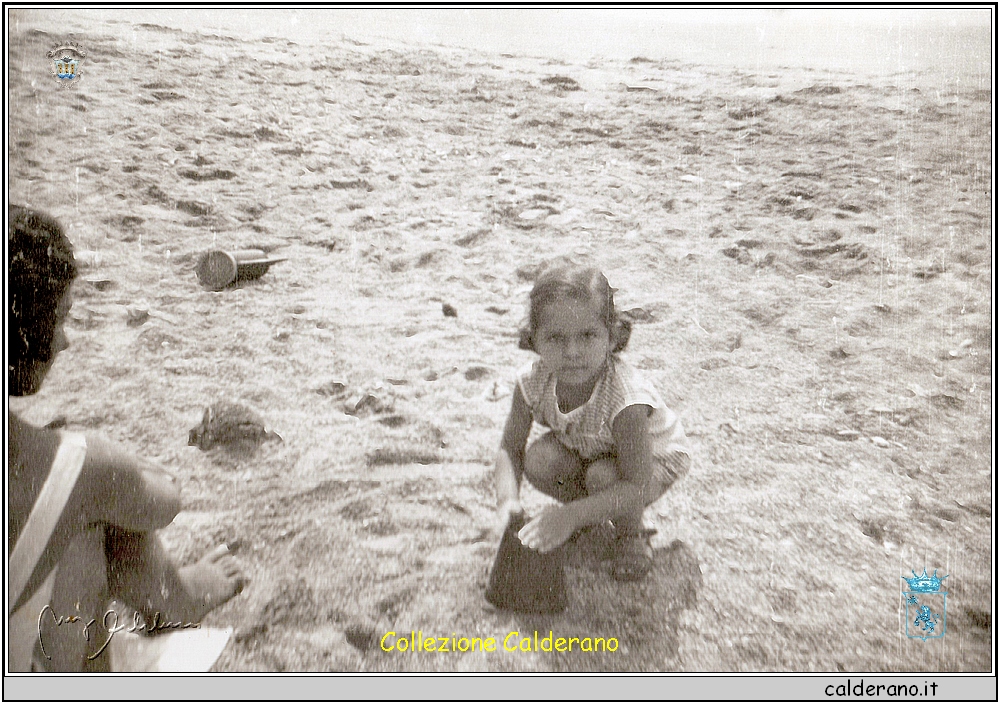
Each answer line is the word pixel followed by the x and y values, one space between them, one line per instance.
pixel 501 340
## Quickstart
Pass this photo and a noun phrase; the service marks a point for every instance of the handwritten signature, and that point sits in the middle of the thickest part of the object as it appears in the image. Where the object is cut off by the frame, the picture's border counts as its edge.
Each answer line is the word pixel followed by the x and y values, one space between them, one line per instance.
pixel 111 625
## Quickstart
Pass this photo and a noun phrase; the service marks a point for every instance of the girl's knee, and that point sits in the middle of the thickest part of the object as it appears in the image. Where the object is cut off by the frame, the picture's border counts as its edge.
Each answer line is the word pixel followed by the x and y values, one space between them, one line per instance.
pixel 553 469
pixel 546 460
pixel 601 474
pixel 668 470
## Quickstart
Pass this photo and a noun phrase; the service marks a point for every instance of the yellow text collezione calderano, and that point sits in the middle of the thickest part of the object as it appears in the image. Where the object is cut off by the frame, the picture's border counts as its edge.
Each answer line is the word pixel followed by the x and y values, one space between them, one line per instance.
pixel 513 642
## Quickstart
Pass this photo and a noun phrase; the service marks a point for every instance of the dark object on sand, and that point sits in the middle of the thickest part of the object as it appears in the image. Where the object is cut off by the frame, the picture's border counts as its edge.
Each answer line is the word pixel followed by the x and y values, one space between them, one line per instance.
pixel 136 317
pixel 364 638
pixel 525 580
pixel 449 310
pixel 218 269
pixel 231 425
pixel 562 83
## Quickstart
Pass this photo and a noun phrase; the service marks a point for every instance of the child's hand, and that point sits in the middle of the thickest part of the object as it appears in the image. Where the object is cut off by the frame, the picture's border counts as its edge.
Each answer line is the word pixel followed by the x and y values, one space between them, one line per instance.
pixel 508 508
pixel 549 530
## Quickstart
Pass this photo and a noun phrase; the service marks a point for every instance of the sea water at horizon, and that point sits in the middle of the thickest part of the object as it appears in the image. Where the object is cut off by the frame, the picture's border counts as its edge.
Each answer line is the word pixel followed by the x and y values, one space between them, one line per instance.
pixel 953 46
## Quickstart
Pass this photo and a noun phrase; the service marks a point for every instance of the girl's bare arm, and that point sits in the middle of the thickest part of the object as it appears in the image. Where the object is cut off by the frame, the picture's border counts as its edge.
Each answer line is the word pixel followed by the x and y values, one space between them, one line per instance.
pixel 510 458
pixel 635 468
pixel 634 447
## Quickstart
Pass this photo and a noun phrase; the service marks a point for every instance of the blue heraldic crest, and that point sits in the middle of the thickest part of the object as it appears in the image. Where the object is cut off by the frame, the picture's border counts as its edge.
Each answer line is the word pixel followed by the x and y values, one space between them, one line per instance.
pixel 925 606
pixel 66 67
pixel 66 60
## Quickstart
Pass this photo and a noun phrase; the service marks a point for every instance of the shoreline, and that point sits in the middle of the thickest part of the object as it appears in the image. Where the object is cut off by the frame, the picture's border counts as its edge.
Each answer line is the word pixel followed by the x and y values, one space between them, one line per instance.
pixel 902 43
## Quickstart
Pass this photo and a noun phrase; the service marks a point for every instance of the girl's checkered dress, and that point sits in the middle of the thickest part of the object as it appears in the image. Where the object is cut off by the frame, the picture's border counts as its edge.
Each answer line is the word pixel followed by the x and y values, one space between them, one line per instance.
pixel 587 430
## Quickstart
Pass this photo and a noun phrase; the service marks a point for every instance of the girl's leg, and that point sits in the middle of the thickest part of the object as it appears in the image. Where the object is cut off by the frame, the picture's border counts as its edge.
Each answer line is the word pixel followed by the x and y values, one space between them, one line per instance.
pixel 633 553
pixel 601 474
pixel 554 470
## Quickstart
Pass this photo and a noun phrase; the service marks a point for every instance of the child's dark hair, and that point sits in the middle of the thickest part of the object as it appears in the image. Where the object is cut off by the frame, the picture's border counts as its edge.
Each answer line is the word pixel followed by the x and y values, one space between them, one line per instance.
pixel 40 268
pixel 564 278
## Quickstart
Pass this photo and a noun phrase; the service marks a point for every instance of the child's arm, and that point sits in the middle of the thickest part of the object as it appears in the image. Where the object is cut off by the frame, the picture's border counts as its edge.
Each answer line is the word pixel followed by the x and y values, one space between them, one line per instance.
pixel 510 458
pixel 634 449
pixel 623 497
pixel 630 431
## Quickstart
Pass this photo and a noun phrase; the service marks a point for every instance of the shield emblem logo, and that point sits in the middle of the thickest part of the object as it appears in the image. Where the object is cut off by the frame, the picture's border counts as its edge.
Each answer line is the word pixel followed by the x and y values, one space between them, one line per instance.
pixel 65 63
pixel 926 606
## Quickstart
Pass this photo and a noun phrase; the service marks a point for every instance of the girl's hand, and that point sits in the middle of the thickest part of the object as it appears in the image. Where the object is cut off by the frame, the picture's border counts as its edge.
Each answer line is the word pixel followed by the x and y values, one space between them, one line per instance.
pixel 509 508
pixel 550 529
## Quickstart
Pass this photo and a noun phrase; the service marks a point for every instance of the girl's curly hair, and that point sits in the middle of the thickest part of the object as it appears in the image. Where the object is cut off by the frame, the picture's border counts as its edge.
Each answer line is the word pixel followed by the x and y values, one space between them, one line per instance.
pixel 40 269
pixel 564 278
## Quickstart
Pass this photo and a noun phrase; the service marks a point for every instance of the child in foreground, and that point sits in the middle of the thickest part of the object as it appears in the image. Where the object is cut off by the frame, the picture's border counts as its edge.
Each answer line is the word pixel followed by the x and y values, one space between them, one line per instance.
pixel 82 506
pixel 613 447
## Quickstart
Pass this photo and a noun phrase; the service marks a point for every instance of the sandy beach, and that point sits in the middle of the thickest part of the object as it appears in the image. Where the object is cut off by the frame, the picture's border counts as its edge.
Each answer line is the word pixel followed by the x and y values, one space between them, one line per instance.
pixel 807 253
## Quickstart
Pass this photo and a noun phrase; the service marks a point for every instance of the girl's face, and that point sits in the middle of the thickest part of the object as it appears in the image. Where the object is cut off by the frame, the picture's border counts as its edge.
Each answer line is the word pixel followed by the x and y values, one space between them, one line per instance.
pixel 573 340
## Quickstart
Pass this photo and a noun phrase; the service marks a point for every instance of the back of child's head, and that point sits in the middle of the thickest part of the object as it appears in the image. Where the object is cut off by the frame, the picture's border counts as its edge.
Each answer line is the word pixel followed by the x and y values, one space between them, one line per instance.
pixel 564 278
pixel 40 269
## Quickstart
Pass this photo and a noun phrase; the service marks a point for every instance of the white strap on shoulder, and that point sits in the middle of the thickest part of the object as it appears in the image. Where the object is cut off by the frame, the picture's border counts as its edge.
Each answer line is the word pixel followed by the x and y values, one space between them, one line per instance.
pixel 46 512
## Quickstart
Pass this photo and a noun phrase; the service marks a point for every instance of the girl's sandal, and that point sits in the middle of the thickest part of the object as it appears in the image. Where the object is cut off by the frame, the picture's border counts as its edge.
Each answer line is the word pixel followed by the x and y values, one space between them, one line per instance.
pixel 633 554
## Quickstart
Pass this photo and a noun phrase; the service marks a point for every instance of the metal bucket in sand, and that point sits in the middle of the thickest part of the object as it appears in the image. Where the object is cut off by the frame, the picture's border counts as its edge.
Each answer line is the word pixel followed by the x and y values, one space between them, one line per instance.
pixel 217 269
pixel 523 579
